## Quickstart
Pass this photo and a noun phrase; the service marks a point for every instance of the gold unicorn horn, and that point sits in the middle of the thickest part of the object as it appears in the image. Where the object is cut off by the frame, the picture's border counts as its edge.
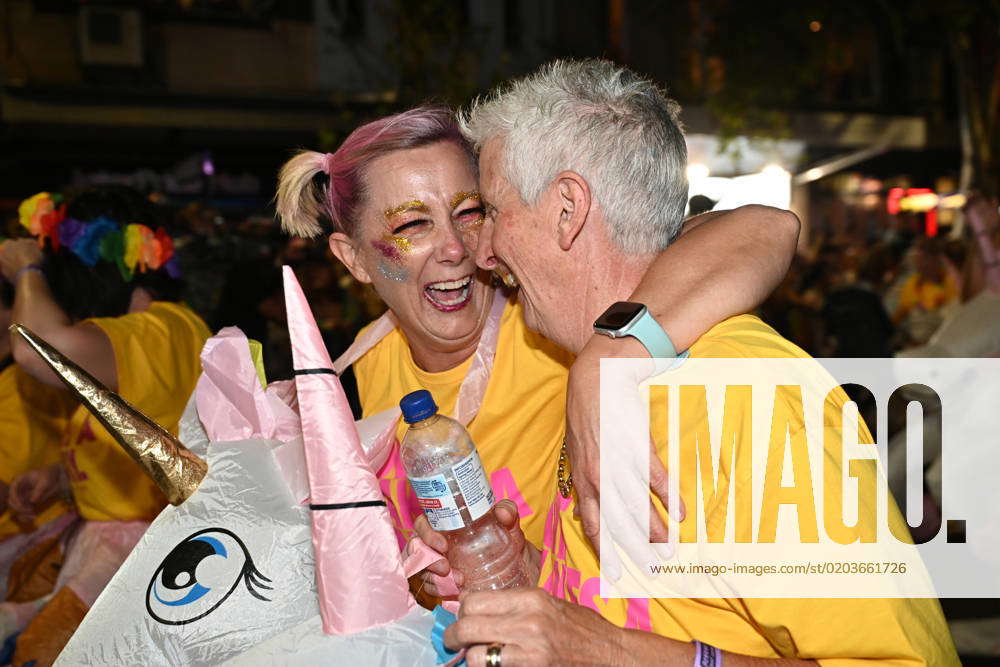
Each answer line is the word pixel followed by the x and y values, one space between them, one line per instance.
pixel 174 468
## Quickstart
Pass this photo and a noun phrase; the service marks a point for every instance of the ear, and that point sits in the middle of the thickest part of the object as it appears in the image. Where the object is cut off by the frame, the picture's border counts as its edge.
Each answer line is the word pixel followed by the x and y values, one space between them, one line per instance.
pixel 343 247
pixel 573 197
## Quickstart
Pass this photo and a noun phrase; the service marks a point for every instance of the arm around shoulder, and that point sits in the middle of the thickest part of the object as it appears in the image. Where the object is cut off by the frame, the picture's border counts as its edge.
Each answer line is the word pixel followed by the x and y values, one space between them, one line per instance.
pixel 725 263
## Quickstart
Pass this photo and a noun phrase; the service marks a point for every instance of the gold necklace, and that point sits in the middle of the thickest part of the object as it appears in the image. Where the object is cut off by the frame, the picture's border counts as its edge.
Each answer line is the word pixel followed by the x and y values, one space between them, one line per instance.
pixel 563 476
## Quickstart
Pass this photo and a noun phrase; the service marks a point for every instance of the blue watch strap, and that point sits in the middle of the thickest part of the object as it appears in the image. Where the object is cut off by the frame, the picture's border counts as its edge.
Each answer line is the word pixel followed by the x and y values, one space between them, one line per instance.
pixel 652 336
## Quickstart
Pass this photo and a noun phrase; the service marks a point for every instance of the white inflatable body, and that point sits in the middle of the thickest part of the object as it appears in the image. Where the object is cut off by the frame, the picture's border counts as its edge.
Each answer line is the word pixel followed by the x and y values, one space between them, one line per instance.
pixel 229 575
pixel 240 554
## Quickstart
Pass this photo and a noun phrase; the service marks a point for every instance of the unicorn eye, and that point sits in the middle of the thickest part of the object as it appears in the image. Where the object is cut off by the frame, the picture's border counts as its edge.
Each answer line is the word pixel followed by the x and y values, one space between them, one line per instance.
pixel 199 574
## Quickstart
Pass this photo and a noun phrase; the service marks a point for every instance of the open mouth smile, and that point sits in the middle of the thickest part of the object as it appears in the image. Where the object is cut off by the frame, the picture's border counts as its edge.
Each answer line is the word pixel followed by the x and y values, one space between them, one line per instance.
pixel 449 295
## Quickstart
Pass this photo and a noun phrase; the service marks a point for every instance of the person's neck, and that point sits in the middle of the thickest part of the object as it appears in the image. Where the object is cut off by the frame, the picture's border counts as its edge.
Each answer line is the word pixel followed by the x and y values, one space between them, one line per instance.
pixel 439 356
pixel 611 276
pixel 437 361
pixel 140 300
pixel 5 350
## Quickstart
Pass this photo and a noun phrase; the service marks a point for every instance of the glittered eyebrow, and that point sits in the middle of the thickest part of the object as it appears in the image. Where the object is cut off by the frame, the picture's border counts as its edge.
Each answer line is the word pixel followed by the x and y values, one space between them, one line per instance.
pixel 462 196
pixel 414 205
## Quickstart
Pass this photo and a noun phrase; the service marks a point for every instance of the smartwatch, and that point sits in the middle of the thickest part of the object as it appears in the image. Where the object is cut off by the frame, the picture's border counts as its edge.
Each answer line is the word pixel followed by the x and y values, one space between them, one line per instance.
pixel 626 318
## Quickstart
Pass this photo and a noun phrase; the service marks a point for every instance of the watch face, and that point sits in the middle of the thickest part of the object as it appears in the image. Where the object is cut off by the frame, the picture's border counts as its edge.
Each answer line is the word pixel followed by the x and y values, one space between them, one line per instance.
pixel 618 315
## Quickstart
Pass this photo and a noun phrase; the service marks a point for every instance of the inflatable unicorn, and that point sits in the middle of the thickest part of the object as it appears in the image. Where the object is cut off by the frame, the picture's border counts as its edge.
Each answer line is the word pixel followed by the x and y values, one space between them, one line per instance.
pixel 278 548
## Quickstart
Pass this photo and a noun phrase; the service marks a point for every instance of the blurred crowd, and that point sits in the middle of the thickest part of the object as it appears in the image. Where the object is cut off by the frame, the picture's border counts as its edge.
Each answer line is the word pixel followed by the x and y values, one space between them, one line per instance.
pixel 861 290
pixel 232 271
pixel 856 289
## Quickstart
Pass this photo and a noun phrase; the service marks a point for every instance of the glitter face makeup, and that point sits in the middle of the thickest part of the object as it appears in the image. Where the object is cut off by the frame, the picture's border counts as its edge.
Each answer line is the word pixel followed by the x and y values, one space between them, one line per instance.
pixel 413 245
pixel 393 247
pixel 462 196
pixel 388 250
pixel 466 225
pixel 402 245
pixel 394 273
pixel 412 205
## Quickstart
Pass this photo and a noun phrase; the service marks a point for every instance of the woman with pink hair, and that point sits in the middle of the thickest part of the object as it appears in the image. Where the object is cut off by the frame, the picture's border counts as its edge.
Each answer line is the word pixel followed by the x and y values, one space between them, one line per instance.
pixel 401 196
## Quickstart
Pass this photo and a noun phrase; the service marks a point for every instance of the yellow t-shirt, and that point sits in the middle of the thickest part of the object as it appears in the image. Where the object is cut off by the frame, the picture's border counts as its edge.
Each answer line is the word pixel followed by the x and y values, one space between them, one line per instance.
pixel 832 631
pixel 926 295
pixel 157 357
pixel 32 418
pixel 518 430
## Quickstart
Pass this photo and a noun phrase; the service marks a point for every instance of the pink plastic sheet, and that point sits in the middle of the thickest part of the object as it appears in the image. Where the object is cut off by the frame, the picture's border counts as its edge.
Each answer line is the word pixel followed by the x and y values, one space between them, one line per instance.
pixel 477 378
pixel 233 406
pixel 366 341
pixel 418 555
pixel 470 398
pixel 378 435
pixel 358 569
pixel 231 403
pixel 470 395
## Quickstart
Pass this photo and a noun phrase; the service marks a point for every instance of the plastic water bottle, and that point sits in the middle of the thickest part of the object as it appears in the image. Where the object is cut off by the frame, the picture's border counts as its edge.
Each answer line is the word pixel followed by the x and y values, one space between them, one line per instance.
pixel 452 488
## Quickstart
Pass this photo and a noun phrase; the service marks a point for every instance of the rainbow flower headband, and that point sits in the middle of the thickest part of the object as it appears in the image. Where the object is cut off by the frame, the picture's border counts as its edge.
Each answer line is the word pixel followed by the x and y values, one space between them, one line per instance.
pixel 131 246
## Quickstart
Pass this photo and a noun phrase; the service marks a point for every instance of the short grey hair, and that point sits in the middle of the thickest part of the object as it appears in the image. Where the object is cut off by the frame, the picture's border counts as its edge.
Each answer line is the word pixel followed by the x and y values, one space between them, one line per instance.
pixel 616 129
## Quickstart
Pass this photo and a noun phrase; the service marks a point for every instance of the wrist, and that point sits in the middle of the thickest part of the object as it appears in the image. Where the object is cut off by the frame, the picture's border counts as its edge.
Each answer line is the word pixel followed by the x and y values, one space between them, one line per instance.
pixel 641 647
pixel 626 347
pixel 24 270
pixel 706 655
pixel 633 319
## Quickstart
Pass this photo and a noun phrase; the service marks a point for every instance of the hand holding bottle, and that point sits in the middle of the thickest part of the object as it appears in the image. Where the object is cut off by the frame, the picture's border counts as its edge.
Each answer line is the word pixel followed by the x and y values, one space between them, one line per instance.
pixel 447 476
pixel 507 516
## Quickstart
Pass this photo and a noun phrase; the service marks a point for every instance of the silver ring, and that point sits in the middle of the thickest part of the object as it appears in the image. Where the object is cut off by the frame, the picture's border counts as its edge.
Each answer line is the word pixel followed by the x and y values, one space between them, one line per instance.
pixel 493 655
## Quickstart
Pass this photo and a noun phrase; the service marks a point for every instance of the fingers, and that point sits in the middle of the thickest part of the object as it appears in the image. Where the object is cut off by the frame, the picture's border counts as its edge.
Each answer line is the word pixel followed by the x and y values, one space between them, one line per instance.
pixel 439 567
pixel 439 586
pixel 38 491
pixel 476 630
pixel 431 537
pixel 506 513
pixel 429 587
pixel 522 620
pixel 590 515
pixel 511 655
pixel 19 492
pixel 659 484
pixel 499 603
pixel 658 531
pixel 480 629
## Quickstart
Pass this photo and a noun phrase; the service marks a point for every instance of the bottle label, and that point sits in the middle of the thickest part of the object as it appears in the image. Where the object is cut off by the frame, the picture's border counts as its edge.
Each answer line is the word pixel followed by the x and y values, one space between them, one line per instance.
pixel 475 487
pixel 439 506
pixel 437 502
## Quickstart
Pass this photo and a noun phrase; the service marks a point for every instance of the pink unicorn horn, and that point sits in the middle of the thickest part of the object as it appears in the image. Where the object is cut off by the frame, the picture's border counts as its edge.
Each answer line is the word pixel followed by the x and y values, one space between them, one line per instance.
pixel 174 468
pixel 358 569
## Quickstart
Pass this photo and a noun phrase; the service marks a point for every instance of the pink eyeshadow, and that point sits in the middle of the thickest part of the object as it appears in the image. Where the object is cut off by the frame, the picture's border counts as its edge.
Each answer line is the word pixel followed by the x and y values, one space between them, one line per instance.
pixel 388 250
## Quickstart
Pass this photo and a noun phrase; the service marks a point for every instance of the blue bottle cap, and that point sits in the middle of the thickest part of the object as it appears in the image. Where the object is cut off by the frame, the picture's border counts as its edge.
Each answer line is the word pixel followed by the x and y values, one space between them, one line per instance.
pixel 417 405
